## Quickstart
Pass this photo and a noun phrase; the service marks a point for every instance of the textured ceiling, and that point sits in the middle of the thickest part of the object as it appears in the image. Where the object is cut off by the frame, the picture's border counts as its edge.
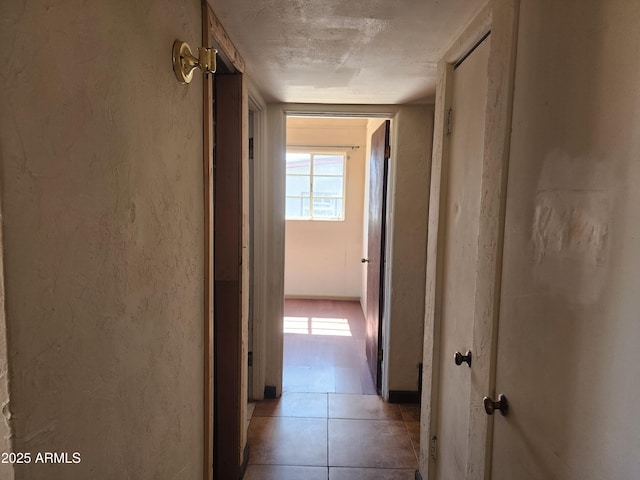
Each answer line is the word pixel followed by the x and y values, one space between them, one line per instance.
pixel 349 51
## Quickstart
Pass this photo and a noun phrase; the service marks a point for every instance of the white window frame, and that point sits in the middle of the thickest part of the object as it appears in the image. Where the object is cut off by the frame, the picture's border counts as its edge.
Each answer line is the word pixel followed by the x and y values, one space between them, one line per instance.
pixel 313 152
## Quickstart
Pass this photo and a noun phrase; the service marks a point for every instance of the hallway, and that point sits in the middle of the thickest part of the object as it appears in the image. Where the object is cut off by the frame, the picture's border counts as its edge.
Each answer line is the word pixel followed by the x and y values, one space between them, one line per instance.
pixel 329 424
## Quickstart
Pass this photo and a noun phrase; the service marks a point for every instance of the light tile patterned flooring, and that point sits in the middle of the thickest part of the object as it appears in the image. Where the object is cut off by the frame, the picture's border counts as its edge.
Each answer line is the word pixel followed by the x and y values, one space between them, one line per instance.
pixel 329 424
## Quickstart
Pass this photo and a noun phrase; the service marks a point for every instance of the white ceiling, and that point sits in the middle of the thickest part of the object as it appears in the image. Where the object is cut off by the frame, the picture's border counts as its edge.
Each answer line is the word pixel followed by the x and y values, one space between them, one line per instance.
pixel 349 51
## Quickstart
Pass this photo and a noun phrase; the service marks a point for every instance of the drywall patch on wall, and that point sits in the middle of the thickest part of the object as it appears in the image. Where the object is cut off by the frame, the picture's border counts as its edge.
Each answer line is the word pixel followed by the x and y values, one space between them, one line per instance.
pixel 570 227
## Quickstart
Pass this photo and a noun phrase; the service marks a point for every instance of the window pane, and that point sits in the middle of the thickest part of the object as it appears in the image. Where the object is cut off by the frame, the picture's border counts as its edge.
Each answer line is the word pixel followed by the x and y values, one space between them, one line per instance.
pixel 328 165
pixel 298 186
pixel 327 186
pixel 327 208
pixel 299 163
pixel 297 208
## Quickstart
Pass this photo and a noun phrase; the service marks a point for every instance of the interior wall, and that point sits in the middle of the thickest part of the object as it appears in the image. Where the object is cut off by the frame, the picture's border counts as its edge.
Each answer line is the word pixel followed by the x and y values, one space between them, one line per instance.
pixel 274 235
pixel 406 250
pixel 322 258
pixel 571 241
pixel 102 208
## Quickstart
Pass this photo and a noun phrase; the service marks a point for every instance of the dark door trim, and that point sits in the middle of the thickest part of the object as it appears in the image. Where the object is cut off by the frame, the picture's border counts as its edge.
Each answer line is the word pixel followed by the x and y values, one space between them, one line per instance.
pixel 207 161
pixel 223 99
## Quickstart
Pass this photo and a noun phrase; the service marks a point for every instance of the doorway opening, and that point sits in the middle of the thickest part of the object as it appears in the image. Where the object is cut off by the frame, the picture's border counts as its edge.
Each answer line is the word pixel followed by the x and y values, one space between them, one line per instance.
pixel 332 325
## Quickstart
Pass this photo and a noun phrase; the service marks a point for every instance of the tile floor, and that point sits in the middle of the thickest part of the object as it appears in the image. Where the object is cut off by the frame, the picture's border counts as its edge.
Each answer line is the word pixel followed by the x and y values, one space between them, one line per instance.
pixel 333 436
pixel 329 424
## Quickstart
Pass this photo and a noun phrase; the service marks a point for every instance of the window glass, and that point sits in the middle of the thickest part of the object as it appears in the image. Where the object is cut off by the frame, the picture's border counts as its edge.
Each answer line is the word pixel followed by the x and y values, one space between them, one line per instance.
pixel 297 207
pixel 328 165
pixel 315 186
pixel 327 186
pixel 298 186
pixel 327 208
pixel 298 163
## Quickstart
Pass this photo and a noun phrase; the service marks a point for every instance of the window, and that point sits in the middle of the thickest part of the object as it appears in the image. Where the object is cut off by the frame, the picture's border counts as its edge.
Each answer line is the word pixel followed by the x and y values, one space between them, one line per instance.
pixel 315 186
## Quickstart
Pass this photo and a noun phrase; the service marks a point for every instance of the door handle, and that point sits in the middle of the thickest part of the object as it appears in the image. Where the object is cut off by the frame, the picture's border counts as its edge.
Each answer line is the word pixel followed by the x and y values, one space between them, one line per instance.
pixel 460 358
pixel 490 406
pixel 364 260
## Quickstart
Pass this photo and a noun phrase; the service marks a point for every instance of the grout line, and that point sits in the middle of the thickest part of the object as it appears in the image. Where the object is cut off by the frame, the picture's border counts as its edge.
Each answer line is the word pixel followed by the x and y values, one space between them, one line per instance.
pixel 327 436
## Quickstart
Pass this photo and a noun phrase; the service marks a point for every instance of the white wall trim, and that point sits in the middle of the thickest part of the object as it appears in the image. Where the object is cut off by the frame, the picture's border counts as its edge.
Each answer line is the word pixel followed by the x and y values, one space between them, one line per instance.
pixel 260 267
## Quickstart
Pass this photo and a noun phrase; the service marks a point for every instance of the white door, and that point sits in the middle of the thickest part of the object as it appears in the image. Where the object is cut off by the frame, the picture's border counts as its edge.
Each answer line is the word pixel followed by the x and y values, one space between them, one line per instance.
pixel 460 256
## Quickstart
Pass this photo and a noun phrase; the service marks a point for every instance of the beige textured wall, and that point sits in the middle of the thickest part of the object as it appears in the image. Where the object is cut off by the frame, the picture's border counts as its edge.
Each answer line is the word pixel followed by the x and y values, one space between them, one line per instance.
pixel 322 258
pixel 572 263
pixel 101 157
pixel 274 221
pixel 411 141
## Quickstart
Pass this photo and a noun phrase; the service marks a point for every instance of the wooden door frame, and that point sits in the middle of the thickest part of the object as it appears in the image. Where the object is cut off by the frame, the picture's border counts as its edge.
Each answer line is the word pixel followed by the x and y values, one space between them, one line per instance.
pixel 207 161
pixel 500 17
pixel 213 34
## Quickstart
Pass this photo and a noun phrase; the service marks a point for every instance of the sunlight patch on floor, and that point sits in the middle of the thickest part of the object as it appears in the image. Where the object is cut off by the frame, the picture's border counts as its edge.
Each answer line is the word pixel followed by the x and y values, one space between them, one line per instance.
pixel 317 326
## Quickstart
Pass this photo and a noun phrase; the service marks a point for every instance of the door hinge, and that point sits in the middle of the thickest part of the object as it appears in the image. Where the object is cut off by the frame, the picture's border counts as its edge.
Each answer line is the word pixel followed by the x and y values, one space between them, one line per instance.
pixel 433 448
pixel 250 355
pixel 449 121
pixel 387 151
pixel 380 355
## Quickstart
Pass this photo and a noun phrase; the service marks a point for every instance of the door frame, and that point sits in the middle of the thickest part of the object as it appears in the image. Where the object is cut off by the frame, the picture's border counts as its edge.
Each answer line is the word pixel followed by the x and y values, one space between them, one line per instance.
pixel 213 34
pixel 207 161
pixel 385 278
pixel 260 268
pixel 273 236
pixel 416 121
pixel 500 17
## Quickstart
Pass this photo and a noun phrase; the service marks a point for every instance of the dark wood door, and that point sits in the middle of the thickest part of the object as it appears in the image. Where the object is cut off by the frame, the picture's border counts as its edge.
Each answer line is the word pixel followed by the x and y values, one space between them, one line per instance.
pixel 378 167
